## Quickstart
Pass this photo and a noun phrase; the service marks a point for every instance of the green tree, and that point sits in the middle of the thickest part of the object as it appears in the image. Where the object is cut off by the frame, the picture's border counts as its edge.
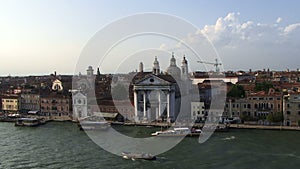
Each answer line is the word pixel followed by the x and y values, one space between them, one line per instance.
pixel 236 91
pixel 264 86
pixel 275 117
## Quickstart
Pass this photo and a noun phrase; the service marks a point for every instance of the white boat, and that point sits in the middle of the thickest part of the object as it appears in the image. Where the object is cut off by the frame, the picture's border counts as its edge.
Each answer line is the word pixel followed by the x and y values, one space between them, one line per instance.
pixel 182 131
pixel 27 122
pixel 93 125
pixel 145 156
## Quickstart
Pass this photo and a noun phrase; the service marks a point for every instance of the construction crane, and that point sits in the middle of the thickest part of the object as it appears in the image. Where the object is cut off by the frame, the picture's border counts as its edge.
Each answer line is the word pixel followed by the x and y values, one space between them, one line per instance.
pixel 216 64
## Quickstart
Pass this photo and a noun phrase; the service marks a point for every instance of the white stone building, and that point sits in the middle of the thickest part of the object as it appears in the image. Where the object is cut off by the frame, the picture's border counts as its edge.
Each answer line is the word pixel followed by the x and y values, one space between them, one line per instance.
pixel 162 96
pixel 79 106
pixel 197 111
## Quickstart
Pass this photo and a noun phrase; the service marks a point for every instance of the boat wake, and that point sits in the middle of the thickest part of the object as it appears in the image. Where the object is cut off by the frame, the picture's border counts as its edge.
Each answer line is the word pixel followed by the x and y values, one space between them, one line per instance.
pixel 229 138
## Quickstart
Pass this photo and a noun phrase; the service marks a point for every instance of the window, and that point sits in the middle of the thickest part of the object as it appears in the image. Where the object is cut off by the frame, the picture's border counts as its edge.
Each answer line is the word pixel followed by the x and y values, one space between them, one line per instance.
pixel 249 106
pixel 298 112
pixel 288 112
pixel 288 105
pixel 237 105
pixel 271 98
pixel 278 98
pixel 233 105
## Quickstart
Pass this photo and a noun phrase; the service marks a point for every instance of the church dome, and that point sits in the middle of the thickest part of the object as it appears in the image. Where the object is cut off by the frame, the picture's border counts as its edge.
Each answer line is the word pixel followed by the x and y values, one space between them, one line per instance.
pixel 173 70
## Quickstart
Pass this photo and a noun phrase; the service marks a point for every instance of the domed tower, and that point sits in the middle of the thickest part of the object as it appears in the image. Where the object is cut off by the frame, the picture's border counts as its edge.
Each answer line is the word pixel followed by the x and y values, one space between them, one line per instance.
pixel 184 69
pixel 173 70
pixel 156 69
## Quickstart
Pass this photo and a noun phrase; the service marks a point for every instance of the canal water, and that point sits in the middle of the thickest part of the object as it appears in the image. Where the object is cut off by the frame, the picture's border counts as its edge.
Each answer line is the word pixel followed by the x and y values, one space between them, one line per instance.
pixel 63 145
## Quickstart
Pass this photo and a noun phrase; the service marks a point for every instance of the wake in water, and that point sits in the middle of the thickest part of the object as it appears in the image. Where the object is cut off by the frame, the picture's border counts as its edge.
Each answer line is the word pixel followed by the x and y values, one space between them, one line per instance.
pixel 229 138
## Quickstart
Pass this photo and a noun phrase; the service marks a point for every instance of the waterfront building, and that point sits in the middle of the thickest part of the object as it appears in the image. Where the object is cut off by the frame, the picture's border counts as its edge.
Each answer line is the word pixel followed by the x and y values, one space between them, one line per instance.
pixel 57 106
pixel 10 103
pixel 234 107
pixel 80 109
pixel 30 102
pixel 262 103
pixel 161 96
pixel 154 96
pixel 291 109
pixel 197 111
pixel 255 106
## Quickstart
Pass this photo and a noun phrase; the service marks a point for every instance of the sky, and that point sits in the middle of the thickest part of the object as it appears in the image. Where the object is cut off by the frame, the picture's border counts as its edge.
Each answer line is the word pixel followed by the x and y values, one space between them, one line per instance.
pixel 43 36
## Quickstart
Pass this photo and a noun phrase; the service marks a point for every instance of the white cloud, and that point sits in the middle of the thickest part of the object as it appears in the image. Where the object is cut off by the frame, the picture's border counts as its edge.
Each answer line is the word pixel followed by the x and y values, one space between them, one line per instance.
pixel 254 45
pixel 279 19
pixel 291 28
pixel 248 44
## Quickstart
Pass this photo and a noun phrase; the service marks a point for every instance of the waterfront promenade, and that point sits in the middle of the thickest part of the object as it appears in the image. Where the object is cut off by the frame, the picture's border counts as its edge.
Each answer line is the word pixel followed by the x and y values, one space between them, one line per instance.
pixel 263 127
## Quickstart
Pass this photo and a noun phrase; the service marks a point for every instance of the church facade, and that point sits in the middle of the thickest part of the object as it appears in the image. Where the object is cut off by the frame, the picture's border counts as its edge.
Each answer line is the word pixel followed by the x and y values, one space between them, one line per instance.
pixel 159 96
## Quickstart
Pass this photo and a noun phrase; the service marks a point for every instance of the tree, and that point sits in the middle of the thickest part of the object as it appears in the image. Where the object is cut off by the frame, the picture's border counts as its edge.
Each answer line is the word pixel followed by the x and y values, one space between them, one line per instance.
pixel 236 91
pixel 275 117
pixel 264 86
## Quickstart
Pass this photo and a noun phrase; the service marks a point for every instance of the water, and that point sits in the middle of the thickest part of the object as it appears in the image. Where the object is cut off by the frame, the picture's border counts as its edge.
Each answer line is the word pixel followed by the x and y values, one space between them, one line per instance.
pixel 63 145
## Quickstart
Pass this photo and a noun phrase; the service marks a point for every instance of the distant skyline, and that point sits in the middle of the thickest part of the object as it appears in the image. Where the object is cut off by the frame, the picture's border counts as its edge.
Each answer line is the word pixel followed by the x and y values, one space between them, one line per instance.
pixel 40 37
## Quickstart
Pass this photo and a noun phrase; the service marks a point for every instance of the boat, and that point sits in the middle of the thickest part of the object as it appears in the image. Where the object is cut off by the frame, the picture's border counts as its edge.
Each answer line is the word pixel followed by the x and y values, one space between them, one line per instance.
pixel 31 122
pixel 182 131
pixel 144 156
pixel 223 128
pixel 93 125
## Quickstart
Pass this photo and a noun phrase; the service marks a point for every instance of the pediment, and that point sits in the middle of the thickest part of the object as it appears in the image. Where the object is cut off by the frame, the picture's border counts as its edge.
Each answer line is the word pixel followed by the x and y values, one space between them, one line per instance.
pixel 152 80
pixel 79 95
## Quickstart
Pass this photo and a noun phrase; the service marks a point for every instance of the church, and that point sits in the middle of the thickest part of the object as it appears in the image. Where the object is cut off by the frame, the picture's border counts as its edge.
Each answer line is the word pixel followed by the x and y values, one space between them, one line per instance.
pixel 158 96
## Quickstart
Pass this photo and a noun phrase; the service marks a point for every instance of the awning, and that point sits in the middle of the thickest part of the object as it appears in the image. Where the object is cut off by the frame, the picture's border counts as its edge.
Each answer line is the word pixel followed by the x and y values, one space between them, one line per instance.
pixel 33 112
pixel 105 114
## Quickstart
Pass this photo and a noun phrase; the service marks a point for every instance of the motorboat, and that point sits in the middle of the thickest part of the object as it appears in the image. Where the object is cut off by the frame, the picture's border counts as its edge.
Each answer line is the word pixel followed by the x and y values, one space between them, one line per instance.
pixel 144 156
pixel 31 122
pixel 93 125
pixel 181 131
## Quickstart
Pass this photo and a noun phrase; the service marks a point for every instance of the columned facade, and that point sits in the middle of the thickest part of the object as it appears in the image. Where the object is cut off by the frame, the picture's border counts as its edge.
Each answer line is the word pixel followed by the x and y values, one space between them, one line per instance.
pixel 154 102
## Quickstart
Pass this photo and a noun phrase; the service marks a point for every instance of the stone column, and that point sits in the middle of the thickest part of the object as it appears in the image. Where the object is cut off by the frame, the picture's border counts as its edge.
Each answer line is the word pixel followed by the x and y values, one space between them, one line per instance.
pixel 168 106
pixel 135 106
pixel 145 106
pixel 159 104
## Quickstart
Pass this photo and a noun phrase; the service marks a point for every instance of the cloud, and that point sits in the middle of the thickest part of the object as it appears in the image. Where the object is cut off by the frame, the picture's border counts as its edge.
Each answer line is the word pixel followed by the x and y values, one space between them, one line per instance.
pixel 247 44
pixel 291 28
pixel 279 19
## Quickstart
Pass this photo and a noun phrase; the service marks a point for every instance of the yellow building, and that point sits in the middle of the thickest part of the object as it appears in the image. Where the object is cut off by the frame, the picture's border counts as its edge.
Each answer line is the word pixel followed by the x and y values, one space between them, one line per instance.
pixel 10 103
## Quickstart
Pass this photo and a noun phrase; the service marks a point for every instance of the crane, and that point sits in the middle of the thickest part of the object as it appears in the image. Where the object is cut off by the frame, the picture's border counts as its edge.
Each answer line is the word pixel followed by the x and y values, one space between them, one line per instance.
pixel 216 64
